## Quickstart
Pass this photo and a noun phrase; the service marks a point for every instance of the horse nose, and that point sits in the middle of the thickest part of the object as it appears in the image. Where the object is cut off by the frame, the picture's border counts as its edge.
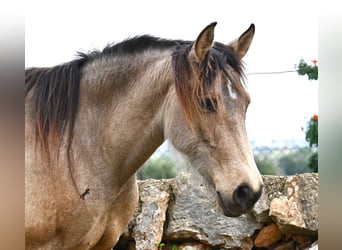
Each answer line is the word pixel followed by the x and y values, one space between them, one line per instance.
pixel 245 197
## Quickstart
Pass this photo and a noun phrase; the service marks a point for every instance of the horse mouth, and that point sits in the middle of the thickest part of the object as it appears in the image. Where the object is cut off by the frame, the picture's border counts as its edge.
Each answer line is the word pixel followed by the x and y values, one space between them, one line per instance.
pixel 227 207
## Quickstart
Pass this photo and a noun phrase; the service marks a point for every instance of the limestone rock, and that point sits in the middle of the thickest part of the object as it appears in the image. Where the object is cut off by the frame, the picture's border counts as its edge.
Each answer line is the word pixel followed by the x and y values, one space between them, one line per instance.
pixel 183 212
pixel 267 236
pixel 273 187
pixel 303 241
pixel 149 223
pixel 192 246
pixel 297 210
pixel 287 245
pixel 261 209
pixel 193 214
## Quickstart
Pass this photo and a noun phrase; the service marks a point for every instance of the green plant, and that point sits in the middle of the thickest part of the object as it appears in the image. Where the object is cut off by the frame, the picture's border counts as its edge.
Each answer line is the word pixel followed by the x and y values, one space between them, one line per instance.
pixel 293 164
pixel 311 136
pixel 160 245
pixel 304 69
pixel 265 167
pixel 313 162
pixel 157 168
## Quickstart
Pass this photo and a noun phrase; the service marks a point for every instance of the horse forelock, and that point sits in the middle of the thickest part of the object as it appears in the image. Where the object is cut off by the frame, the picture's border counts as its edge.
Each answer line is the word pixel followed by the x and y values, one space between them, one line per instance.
pixel 192 92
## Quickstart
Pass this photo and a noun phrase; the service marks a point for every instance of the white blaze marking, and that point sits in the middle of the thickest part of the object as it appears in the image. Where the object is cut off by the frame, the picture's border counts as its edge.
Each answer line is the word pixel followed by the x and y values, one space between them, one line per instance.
pixel 231 90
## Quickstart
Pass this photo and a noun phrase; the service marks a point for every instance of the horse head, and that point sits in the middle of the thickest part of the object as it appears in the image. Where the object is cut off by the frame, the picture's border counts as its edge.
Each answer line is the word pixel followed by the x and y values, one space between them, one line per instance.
pixel 207 122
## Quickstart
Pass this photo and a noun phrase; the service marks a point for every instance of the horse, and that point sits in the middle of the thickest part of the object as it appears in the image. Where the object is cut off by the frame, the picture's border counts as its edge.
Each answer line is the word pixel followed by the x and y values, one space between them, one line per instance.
pixel 92 122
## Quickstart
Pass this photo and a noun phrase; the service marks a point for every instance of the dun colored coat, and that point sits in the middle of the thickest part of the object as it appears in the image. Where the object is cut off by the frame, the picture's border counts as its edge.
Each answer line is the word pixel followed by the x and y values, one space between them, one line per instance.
pixel 92 122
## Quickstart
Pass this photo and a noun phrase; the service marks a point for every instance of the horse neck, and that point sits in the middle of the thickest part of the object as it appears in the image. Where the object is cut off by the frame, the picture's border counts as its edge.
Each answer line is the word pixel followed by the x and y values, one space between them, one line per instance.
pixel 121 106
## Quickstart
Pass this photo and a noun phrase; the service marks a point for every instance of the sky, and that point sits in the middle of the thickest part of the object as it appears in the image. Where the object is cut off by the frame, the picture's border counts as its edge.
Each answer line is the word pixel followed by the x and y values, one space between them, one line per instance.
pixel 286 31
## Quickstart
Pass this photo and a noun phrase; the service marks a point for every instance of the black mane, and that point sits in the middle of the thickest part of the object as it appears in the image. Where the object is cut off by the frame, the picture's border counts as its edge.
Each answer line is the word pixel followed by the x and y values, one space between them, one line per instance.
pixel 56 89
pixel 132 46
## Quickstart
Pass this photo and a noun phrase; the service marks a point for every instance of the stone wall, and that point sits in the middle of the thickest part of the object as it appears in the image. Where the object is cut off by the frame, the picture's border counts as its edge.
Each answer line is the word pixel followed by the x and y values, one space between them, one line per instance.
pixel 182 213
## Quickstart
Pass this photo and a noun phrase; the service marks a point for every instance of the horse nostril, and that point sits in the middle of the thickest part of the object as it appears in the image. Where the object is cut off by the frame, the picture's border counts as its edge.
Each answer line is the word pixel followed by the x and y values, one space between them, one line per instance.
pixel 245 197
pixel 257 195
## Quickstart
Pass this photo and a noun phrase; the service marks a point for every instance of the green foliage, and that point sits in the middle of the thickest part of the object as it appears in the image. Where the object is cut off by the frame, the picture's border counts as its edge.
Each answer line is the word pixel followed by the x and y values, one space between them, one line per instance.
pixel 157 168
pixel 167 246
pixel 305 69
pixel 313 162
pixel 311 133
pixel 160 245
pixel 293 164
pixel 265 167
pixel 311 136
pixel 283 161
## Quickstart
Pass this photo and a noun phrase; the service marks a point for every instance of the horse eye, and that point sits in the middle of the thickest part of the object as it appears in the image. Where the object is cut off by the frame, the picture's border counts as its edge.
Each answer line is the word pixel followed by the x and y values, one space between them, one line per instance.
pixel 209 104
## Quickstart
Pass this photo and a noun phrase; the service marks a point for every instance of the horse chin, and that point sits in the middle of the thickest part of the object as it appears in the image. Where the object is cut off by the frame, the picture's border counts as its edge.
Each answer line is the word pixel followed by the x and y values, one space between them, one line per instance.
pixel 227 207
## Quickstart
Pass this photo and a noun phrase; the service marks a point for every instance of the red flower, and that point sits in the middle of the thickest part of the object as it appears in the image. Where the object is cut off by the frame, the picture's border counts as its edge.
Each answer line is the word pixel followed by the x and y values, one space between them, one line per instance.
pixel 314 61
pixel 315 117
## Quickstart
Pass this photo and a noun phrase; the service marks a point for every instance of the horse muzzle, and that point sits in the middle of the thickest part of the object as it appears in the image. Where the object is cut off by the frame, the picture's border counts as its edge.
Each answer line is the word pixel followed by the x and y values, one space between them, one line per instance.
pixel 243 200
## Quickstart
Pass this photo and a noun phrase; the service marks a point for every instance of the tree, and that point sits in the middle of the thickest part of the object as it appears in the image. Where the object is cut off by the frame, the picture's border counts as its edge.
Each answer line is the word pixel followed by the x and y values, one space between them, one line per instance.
pixel 293 164
pixel 313 162
pixel 265 167
pixel 311 133
pixel 157 168
pixel 311 136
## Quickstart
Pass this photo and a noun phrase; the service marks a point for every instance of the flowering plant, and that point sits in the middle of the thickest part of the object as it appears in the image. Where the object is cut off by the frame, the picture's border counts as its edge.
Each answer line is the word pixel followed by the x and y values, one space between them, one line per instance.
pixel 311 71
pixel 311 136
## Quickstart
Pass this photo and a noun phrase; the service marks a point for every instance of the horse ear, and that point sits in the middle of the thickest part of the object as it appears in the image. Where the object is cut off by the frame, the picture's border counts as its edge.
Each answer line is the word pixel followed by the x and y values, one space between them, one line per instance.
pixel 204 41
pixel 241 44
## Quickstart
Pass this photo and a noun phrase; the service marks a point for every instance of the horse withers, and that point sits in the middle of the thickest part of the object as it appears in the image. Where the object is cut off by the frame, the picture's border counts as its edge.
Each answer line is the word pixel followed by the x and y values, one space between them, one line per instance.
pixel 91 123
